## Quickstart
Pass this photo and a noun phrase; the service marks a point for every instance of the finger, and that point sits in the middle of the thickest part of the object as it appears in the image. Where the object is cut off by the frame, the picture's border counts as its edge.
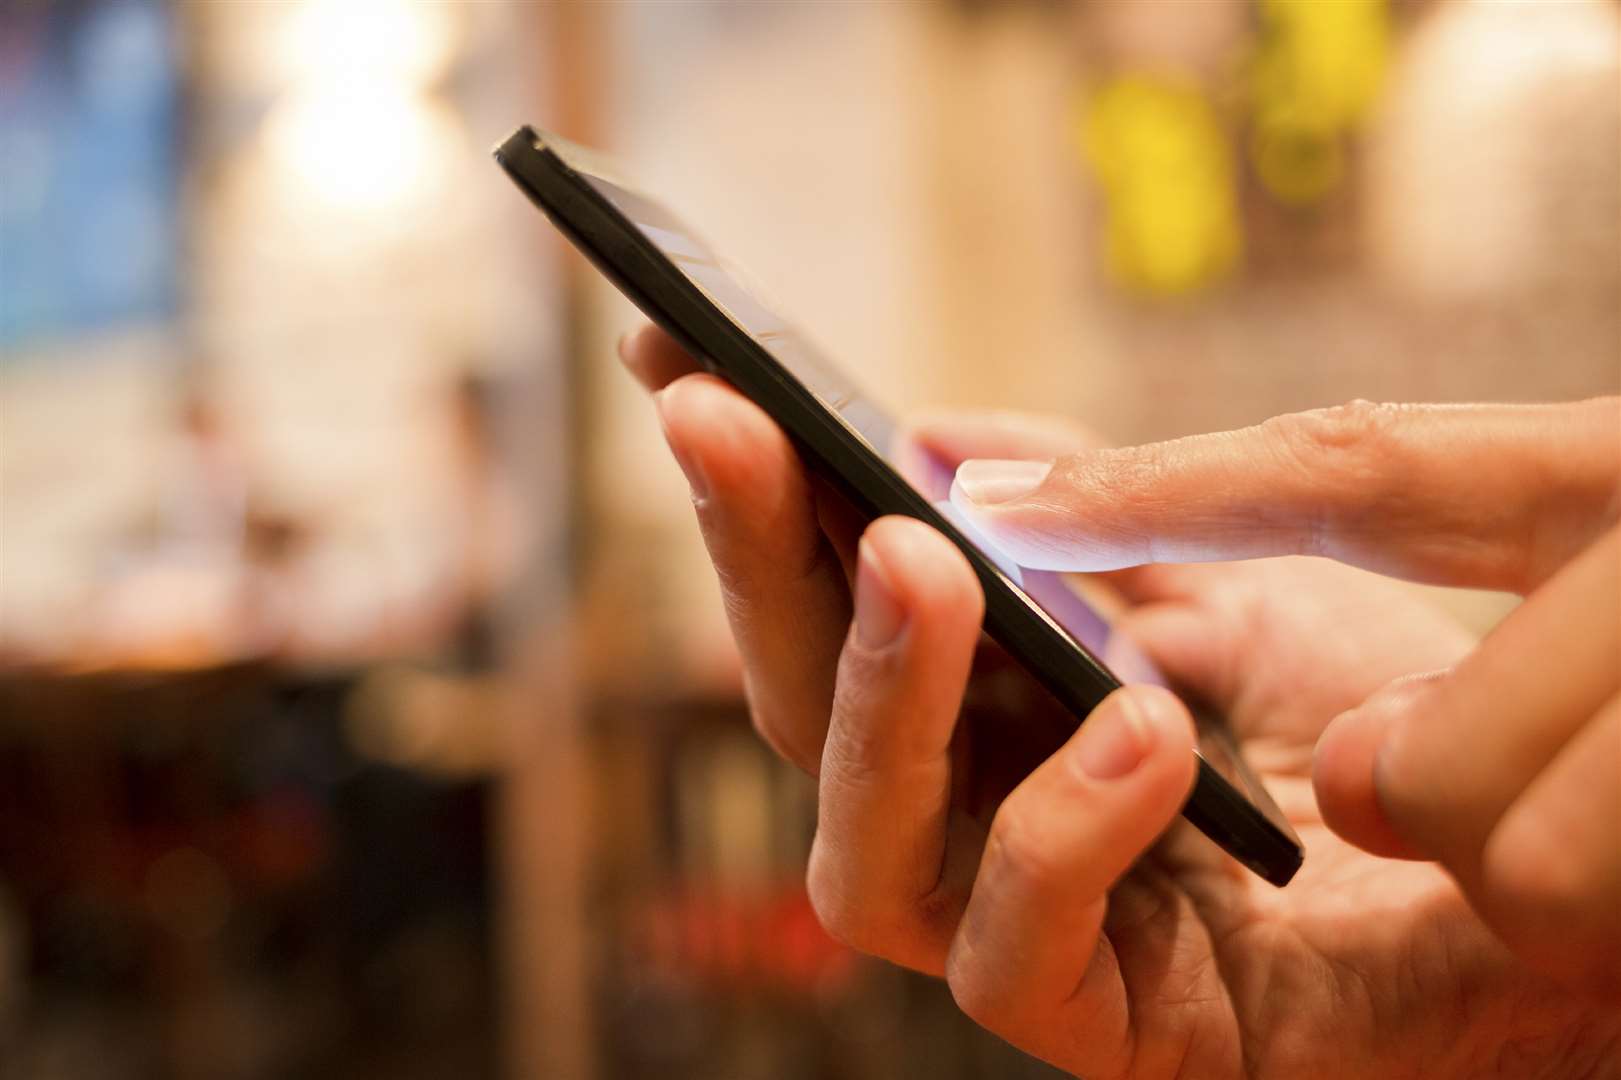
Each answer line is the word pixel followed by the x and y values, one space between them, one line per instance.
pixel 876 869
pixel 784 589
pixel 1494 496
pixel 1552 867
pixel 654 358
pixel 1025 961
pixel 932 445
pixel 1253 644
pixel 1198 647
pixel 1344 761
pixel 1436 762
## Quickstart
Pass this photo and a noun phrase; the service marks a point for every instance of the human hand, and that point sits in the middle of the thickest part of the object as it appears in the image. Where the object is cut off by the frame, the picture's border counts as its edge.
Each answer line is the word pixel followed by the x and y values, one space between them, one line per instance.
pixel 1506 766
pixel 962 832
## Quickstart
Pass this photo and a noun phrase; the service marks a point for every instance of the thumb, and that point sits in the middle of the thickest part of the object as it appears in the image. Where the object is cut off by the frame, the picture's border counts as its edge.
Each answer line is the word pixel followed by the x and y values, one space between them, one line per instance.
pixel 1344 767
pixel 1022 959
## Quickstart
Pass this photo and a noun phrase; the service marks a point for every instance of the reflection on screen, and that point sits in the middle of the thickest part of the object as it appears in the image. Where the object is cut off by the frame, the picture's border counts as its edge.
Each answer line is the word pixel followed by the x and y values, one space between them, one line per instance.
pixel 834 389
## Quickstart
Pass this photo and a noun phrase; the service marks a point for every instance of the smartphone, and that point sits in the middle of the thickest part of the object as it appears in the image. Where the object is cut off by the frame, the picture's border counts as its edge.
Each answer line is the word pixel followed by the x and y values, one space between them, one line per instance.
pixel 1061 640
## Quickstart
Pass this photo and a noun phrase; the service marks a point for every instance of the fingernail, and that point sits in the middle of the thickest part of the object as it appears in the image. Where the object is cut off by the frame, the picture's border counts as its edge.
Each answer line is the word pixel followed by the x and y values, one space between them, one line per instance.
pixel 879 615
pixel 689 466
pixel 1114 741
pixel 988 482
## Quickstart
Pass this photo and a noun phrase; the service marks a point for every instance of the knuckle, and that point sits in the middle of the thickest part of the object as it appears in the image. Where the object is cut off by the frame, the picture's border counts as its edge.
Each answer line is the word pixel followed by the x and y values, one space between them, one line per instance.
pixel 937 914
pixel 840 913
pixel 978 999
pixel 1360 427
pixel 1355 447
pixel 1018 853
pixel 787 736
pixel 871 920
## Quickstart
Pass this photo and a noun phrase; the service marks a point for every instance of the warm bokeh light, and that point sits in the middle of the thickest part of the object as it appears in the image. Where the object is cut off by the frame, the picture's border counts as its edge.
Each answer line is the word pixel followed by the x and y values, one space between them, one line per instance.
pixel 357 129
pixel 363 152
pixel 365 43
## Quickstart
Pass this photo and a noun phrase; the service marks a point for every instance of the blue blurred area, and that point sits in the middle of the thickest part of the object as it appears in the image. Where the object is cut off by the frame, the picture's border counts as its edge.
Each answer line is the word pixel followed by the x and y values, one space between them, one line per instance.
pixel 89 203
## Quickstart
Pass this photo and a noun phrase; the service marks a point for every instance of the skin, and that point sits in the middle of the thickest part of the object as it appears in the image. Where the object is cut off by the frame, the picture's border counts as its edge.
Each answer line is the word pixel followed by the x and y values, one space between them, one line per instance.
pixel 966 831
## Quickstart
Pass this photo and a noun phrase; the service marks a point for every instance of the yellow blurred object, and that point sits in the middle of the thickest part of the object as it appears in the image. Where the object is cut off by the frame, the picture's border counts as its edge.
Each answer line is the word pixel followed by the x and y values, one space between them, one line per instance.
pixel 1162 157
pixel 1298 157
pixel 1318 71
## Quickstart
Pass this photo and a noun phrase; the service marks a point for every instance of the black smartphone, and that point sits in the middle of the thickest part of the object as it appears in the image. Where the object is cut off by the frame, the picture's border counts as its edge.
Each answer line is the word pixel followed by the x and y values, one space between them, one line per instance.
pixel 668 272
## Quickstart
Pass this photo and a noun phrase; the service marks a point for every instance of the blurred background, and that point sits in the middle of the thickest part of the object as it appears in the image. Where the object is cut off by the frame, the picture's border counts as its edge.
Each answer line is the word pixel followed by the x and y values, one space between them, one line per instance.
pixel 366 705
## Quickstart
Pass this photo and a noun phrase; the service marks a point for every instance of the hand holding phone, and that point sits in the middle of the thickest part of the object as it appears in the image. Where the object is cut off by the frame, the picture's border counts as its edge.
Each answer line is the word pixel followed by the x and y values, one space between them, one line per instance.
pixel 1362 968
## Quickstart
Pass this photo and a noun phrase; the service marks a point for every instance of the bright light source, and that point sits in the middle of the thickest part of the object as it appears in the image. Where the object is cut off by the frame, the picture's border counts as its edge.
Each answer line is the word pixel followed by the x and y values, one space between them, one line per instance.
pixel 365 42
pixel 357 131
pixel 372 151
